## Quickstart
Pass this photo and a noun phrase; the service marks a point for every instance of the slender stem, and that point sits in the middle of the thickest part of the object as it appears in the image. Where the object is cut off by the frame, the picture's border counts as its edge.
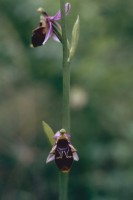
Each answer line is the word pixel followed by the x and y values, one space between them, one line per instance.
pixel 63 185
pixel 66 72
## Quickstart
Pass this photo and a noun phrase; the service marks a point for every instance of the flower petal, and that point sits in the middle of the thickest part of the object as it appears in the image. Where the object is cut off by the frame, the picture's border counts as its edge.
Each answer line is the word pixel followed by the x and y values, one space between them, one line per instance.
pixel 72 148
pixel 49 32
pixel 56 135
pixel 50 158
pixel 57 16
pixel 55 38
pixel 75 156
pixel 67 135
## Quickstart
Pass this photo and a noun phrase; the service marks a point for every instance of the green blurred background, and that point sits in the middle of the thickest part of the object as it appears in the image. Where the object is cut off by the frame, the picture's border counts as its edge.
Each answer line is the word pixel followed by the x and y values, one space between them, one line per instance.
pixel 101 101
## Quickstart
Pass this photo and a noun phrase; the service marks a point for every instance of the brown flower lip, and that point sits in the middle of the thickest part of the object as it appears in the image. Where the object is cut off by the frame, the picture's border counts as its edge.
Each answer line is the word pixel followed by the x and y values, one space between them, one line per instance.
pixel 63 152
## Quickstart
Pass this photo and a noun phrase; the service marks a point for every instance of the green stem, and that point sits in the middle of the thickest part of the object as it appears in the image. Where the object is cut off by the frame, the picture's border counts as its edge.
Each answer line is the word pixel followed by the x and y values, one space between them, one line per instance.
pixel 63 185
pixel 66 72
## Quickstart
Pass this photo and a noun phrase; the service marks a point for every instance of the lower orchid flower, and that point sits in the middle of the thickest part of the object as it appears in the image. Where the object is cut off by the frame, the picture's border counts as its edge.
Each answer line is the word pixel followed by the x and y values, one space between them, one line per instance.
pixel 63 152
pixel 48 27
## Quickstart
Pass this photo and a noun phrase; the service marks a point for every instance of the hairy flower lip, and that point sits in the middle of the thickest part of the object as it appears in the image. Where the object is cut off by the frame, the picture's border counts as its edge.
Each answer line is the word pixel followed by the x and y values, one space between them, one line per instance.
pixel 50 25
pixel 63 152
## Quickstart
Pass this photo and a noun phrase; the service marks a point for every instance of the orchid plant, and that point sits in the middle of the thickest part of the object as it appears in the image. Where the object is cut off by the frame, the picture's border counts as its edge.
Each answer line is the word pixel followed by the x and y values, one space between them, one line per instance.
pixel 63 152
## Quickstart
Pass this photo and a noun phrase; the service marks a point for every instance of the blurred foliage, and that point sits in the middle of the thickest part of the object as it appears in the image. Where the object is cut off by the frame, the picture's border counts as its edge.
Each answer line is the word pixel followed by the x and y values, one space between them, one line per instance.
pixel 101 102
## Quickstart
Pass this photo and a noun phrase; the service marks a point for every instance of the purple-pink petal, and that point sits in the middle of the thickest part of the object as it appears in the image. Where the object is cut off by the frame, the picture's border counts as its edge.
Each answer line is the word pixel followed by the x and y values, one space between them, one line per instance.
pixel 49 32
pixel 75 156
pixel 67 135
pixel 50 158
pixel 58 134
pixel 55 38
pixel 57 16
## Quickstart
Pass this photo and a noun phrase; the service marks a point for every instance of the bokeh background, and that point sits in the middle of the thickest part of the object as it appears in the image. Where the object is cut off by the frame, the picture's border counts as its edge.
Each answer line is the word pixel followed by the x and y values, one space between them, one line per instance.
pixel 101 101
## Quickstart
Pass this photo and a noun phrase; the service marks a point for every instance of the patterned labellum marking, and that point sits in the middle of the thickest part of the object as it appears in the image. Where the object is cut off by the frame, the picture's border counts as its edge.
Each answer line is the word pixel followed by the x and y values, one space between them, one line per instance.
pixel 63 155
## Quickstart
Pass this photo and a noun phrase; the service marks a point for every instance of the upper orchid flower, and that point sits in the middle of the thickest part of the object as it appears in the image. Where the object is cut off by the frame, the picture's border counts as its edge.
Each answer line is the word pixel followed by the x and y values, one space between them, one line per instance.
pixel 48 27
